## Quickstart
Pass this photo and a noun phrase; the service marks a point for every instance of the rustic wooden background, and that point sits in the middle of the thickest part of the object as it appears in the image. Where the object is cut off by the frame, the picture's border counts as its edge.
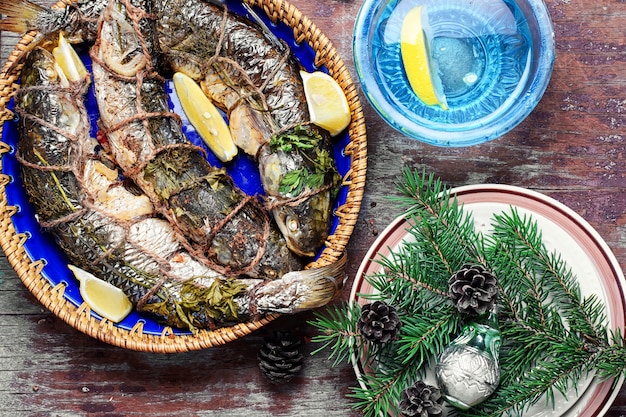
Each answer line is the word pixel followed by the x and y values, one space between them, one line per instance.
pixel 571 148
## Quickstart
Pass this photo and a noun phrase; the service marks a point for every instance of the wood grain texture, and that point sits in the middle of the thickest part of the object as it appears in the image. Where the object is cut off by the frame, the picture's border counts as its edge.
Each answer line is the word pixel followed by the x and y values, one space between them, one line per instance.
pixel 571 148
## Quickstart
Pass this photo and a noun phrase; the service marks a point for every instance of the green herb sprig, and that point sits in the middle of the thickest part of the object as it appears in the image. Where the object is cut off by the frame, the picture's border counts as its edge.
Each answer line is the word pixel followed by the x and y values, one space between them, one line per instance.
pixel 318 165
pixel 553 336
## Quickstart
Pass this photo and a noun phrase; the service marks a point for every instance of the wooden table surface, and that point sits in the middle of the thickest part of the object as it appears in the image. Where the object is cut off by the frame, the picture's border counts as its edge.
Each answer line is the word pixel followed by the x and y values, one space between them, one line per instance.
pixel 572 148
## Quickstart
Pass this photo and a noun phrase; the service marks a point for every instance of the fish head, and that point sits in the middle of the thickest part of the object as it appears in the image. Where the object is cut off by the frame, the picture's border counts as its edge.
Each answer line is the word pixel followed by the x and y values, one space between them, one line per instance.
pixel 305 226
pixel 41 68
pixel 300 188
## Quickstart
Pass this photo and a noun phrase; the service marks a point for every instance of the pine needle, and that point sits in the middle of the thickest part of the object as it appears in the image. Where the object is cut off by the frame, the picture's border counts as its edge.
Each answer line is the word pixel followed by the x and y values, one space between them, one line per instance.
pixel 337 332
pixel 553 337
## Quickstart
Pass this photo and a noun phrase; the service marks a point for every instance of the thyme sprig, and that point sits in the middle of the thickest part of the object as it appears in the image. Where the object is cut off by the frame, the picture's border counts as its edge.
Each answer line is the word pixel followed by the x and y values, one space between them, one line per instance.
pixel 553 336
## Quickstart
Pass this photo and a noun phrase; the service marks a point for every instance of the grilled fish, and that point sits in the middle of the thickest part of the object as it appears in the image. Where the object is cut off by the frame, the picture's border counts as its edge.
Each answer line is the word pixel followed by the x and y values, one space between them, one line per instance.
pixel 242 68
pixel 115 233
pixel 218 221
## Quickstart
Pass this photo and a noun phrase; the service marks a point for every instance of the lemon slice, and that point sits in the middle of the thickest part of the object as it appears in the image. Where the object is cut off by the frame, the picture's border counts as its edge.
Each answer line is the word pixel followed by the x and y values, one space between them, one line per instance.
pixel 420 69
pixel 105 299
pixel 69 61
pixel 204 117
pixel 328 106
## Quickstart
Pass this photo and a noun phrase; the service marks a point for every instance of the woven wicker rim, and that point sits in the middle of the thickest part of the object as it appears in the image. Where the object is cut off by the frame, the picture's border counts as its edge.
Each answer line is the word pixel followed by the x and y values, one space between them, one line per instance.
pixel 80 317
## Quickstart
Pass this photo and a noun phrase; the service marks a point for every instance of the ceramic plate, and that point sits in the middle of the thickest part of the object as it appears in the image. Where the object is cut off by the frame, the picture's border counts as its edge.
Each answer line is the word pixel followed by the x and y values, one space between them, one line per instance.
pixel 565 232
pixel 242 169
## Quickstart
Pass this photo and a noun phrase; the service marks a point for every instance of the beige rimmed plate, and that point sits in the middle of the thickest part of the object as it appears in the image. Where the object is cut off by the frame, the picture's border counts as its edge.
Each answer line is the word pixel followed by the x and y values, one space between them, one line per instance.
pixel 565 232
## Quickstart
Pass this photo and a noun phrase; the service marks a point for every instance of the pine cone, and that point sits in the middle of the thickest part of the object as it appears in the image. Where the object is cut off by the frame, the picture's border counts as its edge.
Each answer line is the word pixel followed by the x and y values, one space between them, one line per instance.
pixel 379 322
pixel 421 400
pixel 473 290
pixel 280 358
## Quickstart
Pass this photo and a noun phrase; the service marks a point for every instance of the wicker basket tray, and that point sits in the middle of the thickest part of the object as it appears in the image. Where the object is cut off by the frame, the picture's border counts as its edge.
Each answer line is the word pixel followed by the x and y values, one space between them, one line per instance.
pixel 169 341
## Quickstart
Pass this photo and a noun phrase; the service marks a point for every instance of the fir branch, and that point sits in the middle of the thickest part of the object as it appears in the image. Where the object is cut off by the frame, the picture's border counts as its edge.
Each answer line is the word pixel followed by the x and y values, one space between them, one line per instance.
pixel 338 331
pixel 548 309
pixel 551 280
pixel 441 222
pixel 426 336
pixel 553 337
pixel 381 395
pixel 419 193
pixel 408 292
pixel 530 347
pixel 384 382
pixel 610 361
pixel 391 373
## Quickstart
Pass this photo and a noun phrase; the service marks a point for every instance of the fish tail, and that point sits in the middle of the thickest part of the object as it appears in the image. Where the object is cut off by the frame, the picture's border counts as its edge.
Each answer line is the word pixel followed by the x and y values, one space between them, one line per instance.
pixel 19 16
pixel 299 291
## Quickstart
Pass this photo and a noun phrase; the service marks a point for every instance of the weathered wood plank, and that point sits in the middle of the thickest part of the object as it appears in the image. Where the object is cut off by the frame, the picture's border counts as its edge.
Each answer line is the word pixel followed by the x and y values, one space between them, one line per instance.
pixel 571 148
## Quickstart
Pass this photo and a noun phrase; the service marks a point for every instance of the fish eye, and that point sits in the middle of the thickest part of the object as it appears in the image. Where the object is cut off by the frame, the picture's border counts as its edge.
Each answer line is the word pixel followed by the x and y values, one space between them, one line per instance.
pixel 271 273
pixel 292 224
pixel 51 73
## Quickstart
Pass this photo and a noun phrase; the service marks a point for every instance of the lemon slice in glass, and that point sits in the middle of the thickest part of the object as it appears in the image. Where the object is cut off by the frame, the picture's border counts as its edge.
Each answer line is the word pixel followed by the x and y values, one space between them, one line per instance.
pixel 105 299
pixel 204 117
pixel 420 69
pixel 328 105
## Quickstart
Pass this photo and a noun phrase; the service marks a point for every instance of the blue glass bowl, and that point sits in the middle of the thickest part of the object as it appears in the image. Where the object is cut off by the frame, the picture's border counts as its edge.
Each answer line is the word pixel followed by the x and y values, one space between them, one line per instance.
pixel 494 58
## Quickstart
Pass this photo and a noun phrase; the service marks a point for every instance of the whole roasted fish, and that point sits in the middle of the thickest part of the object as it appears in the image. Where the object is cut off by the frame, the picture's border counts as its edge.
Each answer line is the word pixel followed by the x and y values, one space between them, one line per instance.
pixel 115 233
pixel 218 222
pixel 244 70
pixel 300 179
pixel 239 65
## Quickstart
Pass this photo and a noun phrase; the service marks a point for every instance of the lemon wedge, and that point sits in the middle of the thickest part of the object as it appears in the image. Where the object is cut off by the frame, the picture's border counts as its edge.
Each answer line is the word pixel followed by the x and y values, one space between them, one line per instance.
pixel 204 117
pixel 328 105
pixel 105 299
pixel 69 61
pixel 420 69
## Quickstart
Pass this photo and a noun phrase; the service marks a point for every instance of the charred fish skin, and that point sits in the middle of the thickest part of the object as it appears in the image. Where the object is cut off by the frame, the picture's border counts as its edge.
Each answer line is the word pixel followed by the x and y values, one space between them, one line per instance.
pixel 205 41
pixel 235 243
pixel 52 186
pixel 222 224
pixel 50 129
